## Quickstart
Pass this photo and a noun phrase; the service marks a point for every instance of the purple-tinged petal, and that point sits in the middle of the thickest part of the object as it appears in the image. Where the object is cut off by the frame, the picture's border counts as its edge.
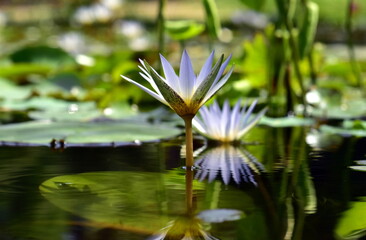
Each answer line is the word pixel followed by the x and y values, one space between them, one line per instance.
pixel 186 76
pixel 170 75
pixel 206 69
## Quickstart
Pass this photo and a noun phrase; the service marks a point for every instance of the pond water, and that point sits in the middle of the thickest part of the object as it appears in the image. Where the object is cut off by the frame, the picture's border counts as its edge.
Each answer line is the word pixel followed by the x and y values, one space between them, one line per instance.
pixel 288 183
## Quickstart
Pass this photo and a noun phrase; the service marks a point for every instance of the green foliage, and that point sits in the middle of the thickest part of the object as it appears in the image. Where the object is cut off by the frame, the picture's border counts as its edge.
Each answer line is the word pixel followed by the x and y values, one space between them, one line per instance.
pixel 308 29
pixel 42 55
pixel 254 4
pixel 352 224
pixel 183 29
pixel 212 18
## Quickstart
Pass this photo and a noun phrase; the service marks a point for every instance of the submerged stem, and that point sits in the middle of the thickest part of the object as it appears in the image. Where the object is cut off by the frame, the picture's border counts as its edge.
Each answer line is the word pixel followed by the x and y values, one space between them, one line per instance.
pixel 189 191
pixel 189 141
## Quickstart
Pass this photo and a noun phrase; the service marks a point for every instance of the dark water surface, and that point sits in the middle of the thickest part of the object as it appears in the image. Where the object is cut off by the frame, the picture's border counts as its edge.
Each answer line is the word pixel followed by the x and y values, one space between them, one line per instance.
pixel 287 184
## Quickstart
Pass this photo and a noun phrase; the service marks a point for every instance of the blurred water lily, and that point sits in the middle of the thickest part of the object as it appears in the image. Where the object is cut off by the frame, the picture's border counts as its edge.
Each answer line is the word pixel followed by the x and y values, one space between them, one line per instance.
pixel 226 124
pixel 185 93
pixel 184 228
pixel 232 162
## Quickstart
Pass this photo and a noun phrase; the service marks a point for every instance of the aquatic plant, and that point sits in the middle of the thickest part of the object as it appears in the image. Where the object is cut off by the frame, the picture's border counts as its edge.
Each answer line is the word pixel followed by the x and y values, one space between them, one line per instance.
pixel 226 124
pixel 186 93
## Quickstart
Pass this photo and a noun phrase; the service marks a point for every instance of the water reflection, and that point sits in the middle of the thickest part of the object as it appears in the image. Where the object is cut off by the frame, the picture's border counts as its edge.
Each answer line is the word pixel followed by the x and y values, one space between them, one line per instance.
pixel 229 161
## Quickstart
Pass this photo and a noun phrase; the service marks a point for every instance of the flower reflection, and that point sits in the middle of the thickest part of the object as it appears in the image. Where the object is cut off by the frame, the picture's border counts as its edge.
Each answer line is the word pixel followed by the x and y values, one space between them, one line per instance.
pixel 186 227
pixel 233 162
pixel 226 124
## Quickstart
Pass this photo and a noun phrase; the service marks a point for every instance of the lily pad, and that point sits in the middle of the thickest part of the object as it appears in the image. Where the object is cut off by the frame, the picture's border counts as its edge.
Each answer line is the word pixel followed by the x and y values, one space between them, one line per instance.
pixel 286 121
pixel 347 129
pixel 43 132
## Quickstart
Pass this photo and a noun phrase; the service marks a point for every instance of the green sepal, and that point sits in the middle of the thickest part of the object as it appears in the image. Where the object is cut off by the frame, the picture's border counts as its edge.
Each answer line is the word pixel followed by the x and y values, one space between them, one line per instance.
pixel 206 84
pixel 171 96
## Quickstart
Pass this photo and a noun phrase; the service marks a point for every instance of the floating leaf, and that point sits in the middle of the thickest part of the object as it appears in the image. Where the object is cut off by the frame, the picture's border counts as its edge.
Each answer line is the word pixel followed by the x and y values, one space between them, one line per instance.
pixel 11 91
pixel 24 69
pixel 42 54
pixel 286 121
pixel 43 132
pixel 349 128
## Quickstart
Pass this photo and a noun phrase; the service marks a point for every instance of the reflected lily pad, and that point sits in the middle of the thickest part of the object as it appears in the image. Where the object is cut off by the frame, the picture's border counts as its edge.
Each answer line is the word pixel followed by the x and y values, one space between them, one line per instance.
pixel 352 224
pixel 286 121
pixel 361 166
pixel 220 215
pixel 142 200
pixel 348 128
pixel 43 132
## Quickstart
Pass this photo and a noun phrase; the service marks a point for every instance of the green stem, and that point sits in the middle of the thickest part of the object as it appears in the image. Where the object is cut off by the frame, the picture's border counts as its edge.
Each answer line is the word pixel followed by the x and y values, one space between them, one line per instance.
pixel 189 191
pixel 161 26
pixel 351 51
pixel 189 141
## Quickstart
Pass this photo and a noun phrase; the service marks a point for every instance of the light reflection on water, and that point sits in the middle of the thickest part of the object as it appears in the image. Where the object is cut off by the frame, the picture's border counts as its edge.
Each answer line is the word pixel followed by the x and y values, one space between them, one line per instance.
pixel 136 192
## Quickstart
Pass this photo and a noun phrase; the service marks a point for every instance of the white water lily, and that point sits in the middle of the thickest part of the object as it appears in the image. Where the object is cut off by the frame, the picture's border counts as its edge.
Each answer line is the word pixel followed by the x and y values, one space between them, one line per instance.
pixel 185 93
pixel 232 162
pixel 226 124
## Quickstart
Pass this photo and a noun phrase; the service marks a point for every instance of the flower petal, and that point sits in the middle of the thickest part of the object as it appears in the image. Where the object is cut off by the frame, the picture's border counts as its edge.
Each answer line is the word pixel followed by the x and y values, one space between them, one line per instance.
pixel 170 75
pixel 252 123
pixel 205 69
pixel 215 88
pixel 155 95
pixel 186 76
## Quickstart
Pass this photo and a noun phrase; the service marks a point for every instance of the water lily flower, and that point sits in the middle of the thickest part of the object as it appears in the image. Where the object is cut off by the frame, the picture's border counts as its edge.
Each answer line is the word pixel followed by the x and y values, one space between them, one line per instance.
pixel 232 162
pixel 226 124
pixel 186 93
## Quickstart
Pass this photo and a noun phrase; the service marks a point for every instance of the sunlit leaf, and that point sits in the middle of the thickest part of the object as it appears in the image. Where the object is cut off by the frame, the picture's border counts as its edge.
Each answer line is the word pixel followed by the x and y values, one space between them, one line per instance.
pixel 352 224
pixel 183 29
pixel 24 69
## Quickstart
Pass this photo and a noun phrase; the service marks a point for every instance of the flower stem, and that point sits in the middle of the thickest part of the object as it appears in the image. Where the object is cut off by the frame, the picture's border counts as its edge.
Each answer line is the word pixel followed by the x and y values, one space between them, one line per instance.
pixel 161 26
pixel 189 141
pixel 189 191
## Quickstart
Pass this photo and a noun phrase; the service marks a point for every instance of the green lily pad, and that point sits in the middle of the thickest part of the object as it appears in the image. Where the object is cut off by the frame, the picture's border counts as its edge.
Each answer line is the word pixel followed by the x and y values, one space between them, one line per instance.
pixel 42 54
pixel 352 224
pixel 343 131
pixel 11 91
pixel 286 121
pixel 43 132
